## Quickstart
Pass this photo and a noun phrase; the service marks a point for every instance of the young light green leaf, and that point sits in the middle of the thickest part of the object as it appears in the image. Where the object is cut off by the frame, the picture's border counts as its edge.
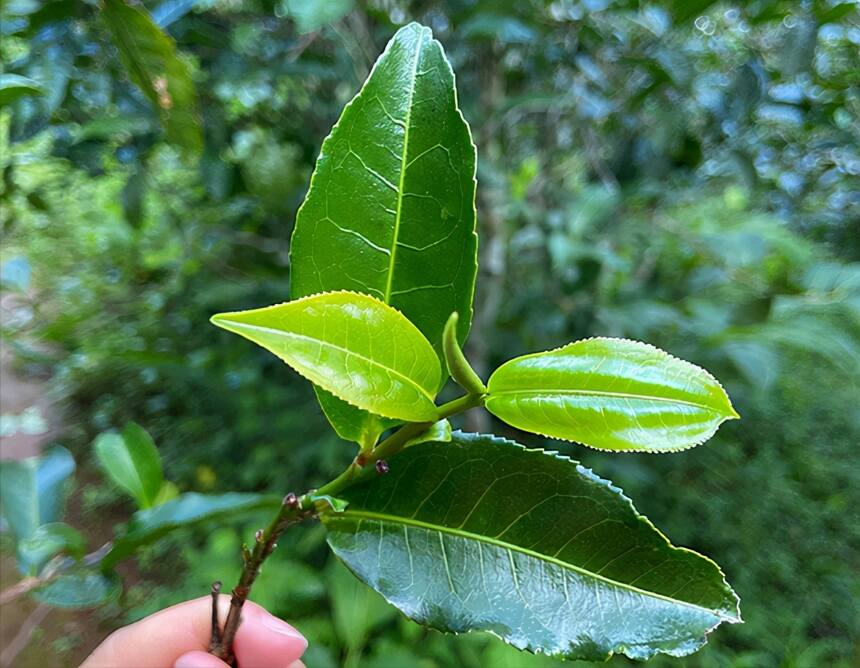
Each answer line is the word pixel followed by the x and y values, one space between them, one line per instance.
pixel 438 432
pixel 391 207
pixel 328 502
pixel 530 546
pixel 147 526
pixel 458 366
pixel 46 542
pixel 132 462
pixel 168 492
pixel 351 345
pixel 154 66
pixel 33 491
pixel 610 394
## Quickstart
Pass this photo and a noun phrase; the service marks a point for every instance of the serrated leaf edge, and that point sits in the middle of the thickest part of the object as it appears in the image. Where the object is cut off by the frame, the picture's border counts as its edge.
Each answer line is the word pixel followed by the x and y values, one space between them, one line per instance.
pixel 589 473
pixel 363 295
pixel 336 126
pixel 663 451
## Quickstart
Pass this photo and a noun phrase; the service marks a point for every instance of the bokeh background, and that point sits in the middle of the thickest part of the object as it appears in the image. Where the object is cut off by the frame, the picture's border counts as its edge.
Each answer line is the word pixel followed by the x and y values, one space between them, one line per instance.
pixel 684 172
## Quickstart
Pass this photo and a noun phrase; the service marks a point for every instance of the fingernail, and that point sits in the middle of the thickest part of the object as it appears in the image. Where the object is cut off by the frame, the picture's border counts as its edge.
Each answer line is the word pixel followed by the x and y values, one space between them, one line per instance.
pixel 280 626
pixel 198 659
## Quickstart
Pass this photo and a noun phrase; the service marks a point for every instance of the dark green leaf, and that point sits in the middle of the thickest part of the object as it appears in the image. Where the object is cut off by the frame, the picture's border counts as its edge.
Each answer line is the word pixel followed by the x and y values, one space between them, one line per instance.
pixel 186 510
pixel 825 13
pixel 154 66
pixel 79 589
pixel 530 546
pixel 684 10
pixel 132 462
pixel 351 423
pixel 351 345
pixel 46 542
pixel 33 491
pixel 611 394
pixel 390 211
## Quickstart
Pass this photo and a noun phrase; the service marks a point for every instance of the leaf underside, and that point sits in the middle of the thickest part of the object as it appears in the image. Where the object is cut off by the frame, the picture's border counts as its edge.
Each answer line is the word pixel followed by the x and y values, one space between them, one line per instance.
pixel 481 534
pixel 391 207
pixel 611 394
pixel 352 345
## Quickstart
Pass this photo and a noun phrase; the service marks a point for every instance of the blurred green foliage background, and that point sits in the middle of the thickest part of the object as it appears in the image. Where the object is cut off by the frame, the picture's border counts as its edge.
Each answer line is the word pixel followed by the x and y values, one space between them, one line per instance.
pixel 681 172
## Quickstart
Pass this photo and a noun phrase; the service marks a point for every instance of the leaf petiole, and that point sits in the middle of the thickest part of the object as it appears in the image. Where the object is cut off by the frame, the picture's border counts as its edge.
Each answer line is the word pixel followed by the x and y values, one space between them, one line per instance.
pixel 397 441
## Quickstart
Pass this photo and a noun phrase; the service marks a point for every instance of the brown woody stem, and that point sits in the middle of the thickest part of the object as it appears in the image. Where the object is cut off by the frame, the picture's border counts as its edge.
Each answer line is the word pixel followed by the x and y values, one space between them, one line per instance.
pixel 292 510
pixel 215 640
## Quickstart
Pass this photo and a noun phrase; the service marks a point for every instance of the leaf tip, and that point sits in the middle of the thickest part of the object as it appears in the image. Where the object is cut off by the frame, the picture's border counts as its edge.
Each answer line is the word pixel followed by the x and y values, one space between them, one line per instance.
pixel 220 320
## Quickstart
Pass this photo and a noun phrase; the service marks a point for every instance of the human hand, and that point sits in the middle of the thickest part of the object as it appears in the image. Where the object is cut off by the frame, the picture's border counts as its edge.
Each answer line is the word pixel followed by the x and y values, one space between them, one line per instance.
pixel 178 637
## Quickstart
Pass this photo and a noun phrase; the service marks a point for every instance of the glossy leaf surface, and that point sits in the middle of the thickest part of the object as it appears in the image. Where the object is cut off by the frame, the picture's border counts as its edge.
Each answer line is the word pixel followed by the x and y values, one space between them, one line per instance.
pixel 483 534
pixel 611 394
pixel 351 345
pixel 132 462
pixel 328 502
pixel 390 211
pixel 439 432
pixel 33 491
pixel 185 510
pixel 458 366
pixel 154 66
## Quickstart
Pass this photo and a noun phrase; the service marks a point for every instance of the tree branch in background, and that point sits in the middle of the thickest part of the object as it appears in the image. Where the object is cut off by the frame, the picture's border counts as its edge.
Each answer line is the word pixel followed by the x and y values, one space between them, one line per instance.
pixel 22 638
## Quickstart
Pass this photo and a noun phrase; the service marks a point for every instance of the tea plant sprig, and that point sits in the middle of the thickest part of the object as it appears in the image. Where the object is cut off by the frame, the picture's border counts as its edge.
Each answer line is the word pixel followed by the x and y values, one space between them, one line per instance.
pixel 464 531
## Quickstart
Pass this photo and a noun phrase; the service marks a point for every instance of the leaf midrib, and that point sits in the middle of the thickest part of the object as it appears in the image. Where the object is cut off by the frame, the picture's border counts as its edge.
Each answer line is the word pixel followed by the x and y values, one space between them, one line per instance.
pixel 394 519
pixel 346 351
pixel 604 393
pixel 401 184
